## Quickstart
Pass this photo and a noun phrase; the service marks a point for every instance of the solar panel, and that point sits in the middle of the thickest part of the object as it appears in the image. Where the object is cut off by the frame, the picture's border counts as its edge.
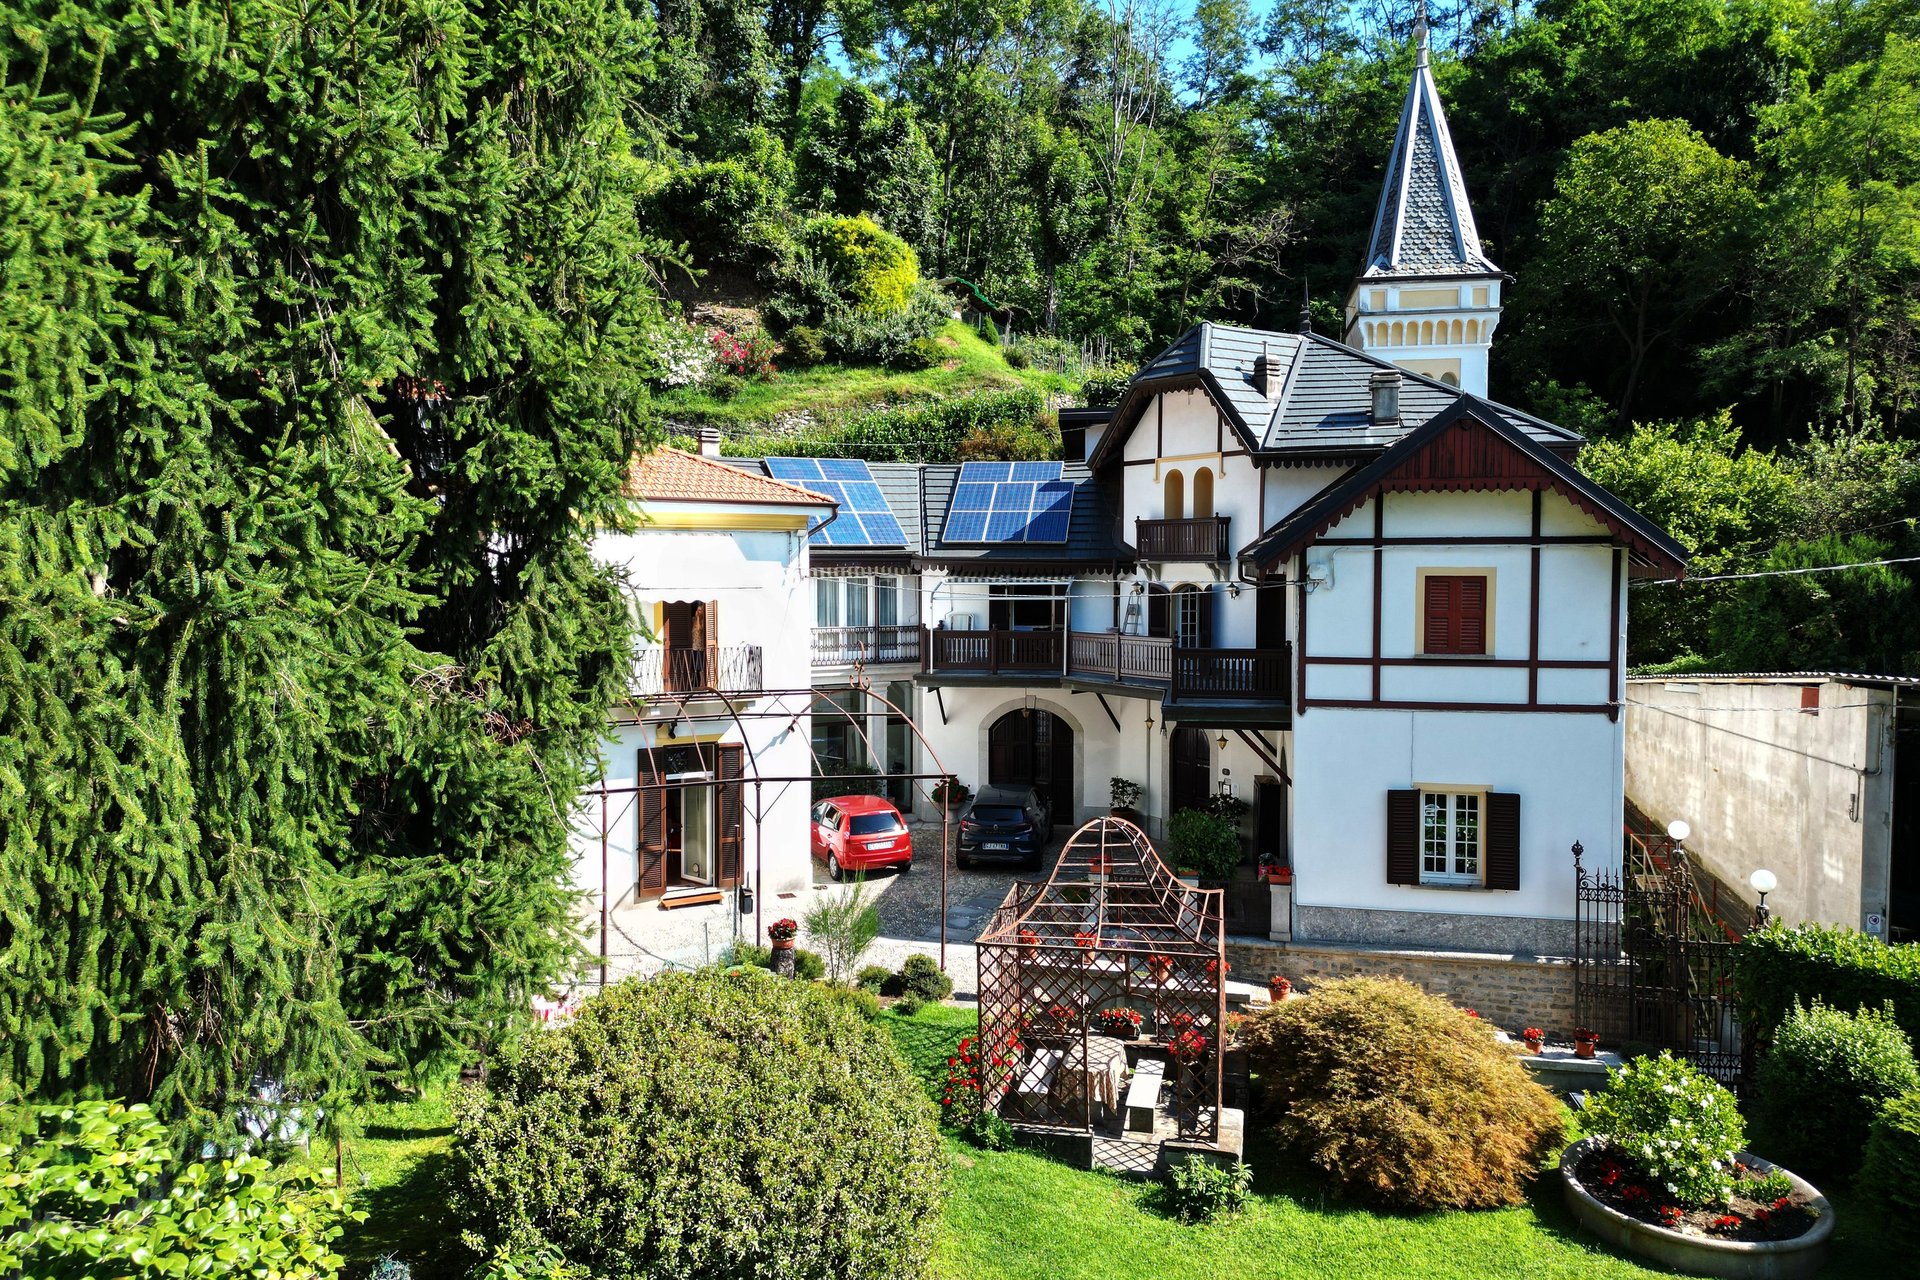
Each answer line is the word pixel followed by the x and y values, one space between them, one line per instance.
pixel 865 518
pixel 1009 502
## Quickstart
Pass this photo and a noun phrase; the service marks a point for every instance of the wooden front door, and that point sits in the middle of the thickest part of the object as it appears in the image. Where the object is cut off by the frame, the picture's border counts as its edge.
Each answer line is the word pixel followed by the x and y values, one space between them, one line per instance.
pixel 1191 767
pixel 1034 748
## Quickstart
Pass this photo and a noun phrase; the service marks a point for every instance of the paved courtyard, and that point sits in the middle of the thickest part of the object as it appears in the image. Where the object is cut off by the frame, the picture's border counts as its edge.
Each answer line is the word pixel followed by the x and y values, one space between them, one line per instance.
pixel 644 939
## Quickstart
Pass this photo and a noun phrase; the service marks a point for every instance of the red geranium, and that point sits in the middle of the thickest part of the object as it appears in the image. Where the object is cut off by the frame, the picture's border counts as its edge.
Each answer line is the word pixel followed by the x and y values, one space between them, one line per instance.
pixel 783 930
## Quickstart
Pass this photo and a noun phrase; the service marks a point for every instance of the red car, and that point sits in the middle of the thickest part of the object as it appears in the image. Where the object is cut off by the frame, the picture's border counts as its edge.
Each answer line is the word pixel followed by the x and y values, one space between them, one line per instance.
pixel 860 833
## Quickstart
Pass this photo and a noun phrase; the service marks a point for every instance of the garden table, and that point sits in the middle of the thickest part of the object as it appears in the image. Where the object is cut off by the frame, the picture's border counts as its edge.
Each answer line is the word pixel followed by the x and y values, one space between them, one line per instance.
pixel 1098 1073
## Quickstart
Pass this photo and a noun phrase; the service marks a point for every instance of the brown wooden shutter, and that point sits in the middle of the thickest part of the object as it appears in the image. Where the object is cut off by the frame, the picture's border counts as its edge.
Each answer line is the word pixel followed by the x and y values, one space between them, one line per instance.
pixel 1503 840
pixel 1470 615
pixel 1439 615
pixel 730 814
pixel 653 828
pixel 712 640
pixel 1209 602
pixel 1403 837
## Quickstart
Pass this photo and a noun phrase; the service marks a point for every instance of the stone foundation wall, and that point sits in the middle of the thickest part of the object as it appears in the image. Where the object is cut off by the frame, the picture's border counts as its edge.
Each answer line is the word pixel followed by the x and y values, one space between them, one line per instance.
pixel 1512 991
pixel 1421 930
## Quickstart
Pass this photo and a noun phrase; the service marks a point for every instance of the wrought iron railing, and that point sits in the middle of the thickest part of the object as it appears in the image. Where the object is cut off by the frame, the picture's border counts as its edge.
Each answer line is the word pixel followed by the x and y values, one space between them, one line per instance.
pixel 838 646
pixel 728 668
pixel 1204 539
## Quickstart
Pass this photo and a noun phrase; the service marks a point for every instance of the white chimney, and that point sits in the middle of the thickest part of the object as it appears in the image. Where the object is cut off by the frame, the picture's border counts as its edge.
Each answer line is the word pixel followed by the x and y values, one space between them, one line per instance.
pixel 1385 385
pixel 709 442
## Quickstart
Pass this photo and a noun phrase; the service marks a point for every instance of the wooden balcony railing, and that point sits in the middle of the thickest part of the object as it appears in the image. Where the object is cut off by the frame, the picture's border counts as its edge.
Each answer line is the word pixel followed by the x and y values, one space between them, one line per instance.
pixel 1262 675
pixel 1204 539
pixel 838 646
pixel 730 668
pixel 994 650
pixel 1230 673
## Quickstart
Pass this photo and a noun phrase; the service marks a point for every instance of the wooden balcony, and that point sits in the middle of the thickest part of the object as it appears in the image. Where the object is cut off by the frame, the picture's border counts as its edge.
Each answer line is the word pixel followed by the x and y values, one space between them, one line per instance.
pixel 843 646
pixel 1188 675
pixel 1203 540
pixel 730 668
pixel 994 650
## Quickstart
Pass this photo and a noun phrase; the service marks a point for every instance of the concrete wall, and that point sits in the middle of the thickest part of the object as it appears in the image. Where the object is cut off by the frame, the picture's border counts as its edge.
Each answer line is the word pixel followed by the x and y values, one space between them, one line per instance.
pixel 1764 782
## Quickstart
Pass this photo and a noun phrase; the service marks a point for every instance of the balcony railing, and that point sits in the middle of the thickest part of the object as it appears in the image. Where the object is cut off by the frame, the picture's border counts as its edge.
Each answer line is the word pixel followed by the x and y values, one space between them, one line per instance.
pixel 995 650
pixel 730 668
pixel 1263 675
pixel 838 646
pixel 1204 540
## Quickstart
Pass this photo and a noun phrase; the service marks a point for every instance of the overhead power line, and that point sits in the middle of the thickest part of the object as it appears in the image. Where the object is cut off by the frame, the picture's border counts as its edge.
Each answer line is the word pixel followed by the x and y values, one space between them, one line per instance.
pixel 1779 573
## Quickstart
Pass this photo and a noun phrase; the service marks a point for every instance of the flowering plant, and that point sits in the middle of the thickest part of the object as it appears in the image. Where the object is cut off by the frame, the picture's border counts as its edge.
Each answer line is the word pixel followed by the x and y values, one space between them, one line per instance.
pixel 1236 1022
pixel 1083 938
pixel 1120 1022
pixel 1217 968
pixel 1061 1016
pixel 749 353
pixel 1180 1022
pixel 1187 1047
pixel 1676 1126
pixel 1583 1036
pixel 1029 939
pixel 1726 1222
pixel 1277 987
pixel 1533 1033
pixel 973 1074
pixel 783 930
pixel 686 357
pixel 1161 967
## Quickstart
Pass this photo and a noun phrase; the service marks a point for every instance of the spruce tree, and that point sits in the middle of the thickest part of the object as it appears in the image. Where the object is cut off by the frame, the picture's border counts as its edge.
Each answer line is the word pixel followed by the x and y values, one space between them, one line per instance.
pixel 329 355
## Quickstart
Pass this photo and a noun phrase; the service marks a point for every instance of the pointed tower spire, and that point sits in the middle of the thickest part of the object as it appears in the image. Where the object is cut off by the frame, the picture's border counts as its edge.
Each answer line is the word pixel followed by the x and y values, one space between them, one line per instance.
pixel 1425 283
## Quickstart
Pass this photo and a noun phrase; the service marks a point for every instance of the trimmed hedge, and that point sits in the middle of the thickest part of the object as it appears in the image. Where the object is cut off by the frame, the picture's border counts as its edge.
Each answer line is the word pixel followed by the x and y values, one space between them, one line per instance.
pixel 705 1125
pixel 1819 1087
pixel 1890 1171
pixel 1840 967
pixel 1404 1100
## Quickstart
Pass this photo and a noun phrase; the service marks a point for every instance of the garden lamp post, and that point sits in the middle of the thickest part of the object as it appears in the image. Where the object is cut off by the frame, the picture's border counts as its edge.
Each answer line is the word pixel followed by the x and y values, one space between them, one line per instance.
pixel 1764 882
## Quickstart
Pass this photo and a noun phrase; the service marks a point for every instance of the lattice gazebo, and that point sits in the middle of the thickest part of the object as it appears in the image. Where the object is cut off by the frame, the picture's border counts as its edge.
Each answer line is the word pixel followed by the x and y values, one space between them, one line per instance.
pixel 1111 929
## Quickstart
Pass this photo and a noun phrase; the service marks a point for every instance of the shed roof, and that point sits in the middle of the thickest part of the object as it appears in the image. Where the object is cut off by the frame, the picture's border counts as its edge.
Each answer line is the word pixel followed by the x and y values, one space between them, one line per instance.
pixel 674 475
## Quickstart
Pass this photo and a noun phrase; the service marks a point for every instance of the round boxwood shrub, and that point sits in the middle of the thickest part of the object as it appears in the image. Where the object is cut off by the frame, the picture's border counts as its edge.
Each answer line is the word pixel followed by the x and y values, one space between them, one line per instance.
pixel 920 977
pixel 1406 1101
pixel 705 1125
pixel 1890 1169
pixel 1819 1087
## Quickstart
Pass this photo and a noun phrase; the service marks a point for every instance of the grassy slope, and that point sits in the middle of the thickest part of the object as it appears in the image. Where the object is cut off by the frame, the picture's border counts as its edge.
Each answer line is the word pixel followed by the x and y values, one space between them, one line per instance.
pixel 828 390
pixel 1013 1215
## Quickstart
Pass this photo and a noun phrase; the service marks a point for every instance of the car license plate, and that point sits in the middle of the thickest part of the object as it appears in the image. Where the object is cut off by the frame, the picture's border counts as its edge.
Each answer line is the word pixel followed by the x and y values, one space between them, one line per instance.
pixel 995 844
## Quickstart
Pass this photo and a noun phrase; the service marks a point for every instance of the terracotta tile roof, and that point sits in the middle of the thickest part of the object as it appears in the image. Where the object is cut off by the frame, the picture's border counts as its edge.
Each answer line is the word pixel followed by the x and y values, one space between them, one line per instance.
pixel 673 475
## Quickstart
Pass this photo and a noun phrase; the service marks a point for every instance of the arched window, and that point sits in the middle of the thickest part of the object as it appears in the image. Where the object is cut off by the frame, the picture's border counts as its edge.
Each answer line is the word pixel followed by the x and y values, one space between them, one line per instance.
pixel 1459 330
pixel 1202 493
pixel 1473 331
pixel 1399 333
pixel 1174 504
pixel 1451 378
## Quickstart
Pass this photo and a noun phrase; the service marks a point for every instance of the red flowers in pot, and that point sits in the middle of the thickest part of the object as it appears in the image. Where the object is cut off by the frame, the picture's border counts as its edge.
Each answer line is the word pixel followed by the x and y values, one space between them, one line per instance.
pixel 1534 1038
pixel 1278 987
pixel 1121 1022
pixel 783 931
pixel 1584 1042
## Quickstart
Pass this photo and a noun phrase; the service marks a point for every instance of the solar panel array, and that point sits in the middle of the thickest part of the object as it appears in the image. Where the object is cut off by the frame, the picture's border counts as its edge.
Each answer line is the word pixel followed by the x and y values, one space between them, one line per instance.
pixel 1009 502
pixel 865 519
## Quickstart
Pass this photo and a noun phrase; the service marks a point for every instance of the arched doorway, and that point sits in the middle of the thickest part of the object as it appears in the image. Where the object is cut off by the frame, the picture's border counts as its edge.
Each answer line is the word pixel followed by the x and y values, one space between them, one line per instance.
pixel 1032 747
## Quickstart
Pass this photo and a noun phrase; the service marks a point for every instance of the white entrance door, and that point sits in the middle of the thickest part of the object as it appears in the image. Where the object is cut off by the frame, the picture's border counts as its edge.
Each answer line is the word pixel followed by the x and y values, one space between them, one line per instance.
pixel 696 834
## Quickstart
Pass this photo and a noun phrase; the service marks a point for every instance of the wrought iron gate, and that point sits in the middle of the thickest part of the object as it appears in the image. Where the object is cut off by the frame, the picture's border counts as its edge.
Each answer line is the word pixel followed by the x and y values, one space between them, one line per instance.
pixel 1653 967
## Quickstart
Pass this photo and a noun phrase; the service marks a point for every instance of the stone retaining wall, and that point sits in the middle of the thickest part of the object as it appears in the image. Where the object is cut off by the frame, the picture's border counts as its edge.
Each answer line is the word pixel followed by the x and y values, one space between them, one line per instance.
pixel 1512 991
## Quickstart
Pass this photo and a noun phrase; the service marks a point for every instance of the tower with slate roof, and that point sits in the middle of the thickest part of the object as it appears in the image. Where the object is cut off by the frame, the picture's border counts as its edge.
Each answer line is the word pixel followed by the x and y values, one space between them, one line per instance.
pixel 1426 298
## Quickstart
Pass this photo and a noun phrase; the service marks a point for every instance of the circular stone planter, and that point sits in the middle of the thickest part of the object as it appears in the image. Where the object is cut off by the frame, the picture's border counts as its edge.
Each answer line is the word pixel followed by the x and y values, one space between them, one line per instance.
pixel 1793 1259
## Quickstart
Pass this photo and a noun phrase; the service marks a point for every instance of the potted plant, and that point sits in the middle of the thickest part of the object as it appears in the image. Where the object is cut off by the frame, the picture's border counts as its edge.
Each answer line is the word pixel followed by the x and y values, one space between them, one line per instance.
pixel 781 934
pixel 951 794
pixel 1159 968
pixel 1533 1038
pixel 1278 987
pixel 1218 969
pixel 1123 796
pixel 1203 844
pixel 1122 1022
pixel 1060 1017
pixel 1084 939
pixel 1277 873
pixel 1187 1046
pixel 1584 1042
pixel 1029 942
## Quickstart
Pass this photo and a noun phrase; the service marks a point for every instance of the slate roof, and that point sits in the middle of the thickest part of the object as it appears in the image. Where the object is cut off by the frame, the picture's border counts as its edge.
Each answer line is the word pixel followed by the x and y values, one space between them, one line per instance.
pixel 1324 405
pixel 1649 545
pixel 673 475
pixel 920 492
pixel 1424 224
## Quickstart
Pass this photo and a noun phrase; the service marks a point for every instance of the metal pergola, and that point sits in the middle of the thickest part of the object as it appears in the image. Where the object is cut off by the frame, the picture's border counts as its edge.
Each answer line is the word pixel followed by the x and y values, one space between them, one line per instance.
pixel 1112 927
pixel 736 709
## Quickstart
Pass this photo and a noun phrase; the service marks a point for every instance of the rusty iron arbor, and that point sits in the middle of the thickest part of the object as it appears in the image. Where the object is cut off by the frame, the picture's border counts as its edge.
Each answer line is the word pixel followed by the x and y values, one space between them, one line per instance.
pixel 1110 928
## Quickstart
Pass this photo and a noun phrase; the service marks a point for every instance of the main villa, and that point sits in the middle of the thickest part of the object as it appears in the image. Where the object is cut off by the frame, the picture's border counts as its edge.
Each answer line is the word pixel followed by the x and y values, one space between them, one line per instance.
pixel 1328 577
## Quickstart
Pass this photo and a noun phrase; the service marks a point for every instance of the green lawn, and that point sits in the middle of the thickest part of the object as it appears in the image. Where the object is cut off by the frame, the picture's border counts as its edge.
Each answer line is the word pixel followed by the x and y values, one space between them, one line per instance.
pixel 831 390
pixel 1014 1215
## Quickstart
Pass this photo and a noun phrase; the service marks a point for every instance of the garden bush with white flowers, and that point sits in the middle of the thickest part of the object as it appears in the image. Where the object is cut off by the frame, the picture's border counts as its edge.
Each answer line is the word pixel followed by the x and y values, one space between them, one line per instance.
pixel 1677 1126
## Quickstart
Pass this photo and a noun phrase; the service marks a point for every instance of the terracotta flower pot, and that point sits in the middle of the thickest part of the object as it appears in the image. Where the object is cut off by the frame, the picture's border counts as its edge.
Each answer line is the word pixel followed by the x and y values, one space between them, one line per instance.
pixel 1584 1048
pixel 1534 1046
pixel 1278 987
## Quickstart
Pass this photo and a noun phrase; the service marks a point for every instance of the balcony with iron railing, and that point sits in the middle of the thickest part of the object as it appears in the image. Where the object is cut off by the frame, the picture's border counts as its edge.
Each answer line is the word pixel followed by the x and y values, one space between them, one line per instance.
pixel 727 668
pixel 1203 540
pixel 843 646
pixel 1187 674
